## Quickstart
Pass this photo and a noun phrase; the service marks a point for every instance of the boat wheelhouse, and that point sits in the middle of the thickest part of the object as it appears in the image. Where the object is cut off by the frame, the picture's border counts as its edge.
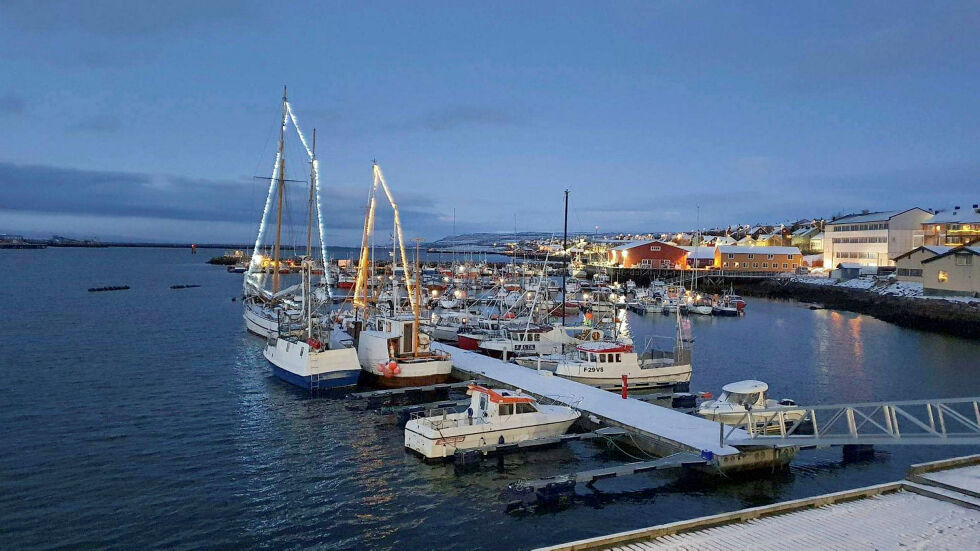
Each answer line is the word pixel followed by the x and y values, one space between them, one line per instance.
pixel 494 416
pixel 604 363
pixel 393 353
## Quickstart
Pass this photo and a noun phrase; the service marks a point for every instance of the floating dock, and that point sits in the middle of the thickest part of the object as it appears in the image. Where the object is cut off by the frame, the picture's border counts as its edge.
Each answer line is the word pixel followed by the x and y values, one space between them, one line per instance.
pixel 661 431
pixel 937 506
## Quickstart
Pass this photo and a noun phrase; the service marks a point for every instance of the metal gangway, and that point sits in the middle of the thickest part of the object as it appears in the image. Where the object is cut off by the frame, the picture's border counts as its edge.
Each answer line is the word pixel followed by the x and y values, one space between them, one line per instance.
pixel 948 421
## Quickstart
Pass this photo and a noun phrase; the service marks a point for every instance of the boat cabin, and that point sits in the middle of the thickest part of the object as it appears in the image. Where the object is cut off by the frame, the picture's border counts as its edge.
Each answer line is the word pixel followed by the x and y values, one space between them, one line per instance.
pixel 602 352
pixel 745 393
pixel 486 403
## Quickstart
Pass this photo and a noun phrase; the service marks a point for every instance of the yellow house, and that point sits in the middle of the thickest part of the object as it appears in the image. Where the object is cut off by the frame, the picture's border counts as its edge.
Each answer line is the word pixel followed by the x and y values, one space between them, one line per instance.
pixel 908 266
pixel 758 259
pixel 955 272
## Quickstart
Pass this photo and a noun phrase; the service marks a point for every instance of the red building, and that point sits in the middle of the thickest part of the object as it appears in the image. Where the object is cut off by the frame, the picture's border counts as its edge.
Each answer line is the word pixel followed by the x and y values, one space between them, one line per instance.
pixel 648 254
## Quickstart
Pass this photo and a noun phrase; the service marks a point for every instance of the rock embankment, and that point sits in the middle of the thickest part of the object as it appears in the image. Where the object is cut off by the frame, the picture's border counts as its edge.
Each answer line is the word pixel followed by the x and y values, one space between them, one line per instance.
pixel 961 318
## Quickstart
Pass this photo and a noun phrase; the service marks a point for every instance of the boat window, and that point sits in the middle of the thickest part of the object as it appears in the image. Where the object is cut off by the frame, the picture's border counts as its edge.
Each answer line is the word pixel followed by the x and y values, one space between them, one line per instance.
pixel 537 336
pixel 483 402
pixel 592 358
pixel 525 407
pixel 602 358
pixel 506 409
pixel 745 399
pixel 618 358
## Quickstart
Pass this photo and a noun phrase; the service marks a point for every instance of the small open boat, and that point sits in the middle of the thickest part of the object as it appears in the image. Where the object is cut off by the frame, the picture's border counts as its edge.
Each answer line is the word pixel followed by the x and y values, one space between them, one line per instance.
pixel 739 398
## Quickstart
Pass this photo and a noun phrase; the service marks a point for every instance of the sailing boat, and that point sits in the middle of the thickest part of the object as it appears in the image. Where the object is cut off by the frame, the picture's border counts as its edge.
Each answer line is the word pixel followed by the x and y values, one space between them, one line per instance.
pixel 318 356
pixel 391 350
pixel 266 308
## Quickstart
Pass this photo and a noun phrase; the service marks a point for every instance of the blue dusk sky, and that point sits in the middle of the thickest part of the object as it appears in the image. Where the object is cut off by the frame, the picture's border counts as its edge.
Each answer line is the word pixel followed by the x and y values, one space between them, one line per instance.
pixel 149 120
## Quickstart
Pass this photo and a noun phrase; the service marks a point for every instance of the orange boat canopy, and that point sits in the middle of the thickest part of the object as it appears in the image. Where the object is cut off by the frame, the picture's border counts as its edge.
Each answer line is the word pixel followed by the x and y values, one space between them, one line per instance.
pixel 499 398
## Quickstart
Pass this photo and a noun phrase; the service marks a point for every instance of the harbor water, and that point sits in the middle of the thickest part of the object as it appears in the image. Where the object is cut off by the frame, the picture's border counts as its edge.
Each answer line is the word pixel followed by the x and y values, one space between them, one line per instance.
pixel 148 418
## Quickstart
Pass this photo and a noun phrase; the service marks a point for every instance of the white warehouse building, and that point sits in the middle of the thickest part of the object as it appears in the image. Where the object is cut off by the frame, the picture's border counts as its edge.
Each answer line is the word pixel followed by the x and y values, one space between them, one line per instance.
pixel 873 238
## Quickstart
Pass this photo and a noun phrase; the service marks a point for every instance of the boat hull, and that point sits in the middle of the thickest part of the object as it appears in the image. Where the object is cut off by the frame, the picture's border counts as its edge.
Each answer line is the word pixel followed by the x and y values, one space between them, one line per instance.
pixel 297 364
pixel 445 445
pixel 680 376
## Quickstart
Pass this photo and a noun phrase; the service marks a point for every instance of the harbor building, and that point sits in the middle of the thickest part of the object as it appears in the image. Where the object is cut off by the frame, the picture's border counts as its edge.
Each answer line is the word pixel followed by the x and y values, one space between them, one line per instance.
pixel 954 227
pixel 648 254
pixel 873 238
pixel 954 272
pixel 758 259
pixel 908 266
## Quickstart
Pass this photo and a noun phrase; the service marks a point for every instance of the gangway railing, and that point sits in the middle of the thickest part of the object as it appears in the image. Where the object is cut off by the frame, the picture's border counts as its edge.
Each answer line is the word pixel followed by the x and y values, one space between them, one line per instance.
pixel 913 422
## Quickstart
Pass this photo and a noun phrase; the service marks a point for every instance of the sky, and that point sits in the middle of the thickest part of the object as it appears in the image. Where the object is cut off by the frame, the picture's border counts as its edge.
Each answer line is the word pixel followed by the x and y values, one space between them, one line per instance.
pixel 153 120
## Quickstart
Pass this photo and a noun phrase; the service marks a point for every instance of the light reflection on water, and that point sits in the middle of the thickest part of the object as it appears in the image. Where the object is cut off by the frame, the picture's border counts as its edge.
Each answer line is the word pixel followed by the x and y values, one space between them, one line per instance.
pixel 155 422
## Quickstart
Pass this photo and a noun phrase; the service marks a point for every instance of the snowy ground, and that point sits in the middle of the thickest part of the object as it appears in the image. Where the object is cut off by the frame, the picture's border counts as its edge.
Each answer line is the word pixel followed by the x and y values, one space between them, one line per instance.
pixel 882 287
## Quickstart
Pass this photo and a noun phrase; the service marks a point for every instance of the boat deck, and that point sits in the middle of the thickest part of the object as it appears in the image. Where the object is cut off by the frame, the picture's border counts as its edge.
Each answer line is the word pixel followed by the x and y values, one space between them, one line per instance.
pixel 681 431
pixel 943 512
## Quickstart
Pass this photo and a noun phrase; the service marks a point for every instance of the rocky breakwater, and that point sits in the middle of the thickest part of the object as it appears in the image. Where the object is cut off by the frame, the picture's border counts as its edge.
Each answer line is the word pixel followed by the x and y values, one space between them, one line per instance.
pixel 954 317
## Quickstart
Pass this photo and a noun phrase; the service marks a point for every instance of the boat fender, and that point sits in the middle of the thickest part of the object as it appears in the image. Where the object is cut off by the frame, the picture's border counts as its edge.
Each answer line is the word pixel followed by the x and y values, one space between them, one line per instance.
pixel 397 370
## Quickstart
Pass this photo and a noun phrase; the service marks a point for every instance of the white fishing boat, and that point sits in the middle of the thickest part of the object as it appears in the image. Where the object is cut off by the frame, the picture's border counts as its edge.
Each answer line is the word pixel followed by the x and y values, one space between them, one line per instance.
pixel 603 364
pixel 493 417
pixel 317 358
pixel 738 399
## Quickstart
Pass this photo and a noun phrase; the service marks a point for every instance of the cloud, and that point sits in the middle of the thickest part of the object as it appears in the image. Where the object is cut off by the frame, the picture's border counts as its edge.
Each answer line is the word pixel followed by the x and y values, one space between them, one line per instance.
pixel 12 104
pixel 458 116
pixel 99 124
pixel 117 17
pixel 63 193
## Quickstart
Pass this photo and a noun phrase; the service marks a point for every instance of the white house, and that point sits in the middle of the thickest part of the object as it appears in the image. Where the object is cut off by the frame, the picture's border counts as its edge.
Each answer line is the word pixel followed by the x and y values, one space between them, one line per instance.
pixel 873 238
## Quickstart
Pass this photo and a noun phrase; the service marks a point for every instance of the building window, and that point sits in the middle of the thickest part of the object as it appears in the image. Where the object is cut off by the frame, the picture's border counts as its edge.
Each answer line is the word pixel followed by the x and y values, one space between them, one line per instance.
pixel 789 257
pixel 755 264
pixel 785 266
pixel 769 257
pixel 751 256
pixel 765 264
pixel 942 276
pixel 655 247
pixel 724 264
pixel 964 260
pixel 731 256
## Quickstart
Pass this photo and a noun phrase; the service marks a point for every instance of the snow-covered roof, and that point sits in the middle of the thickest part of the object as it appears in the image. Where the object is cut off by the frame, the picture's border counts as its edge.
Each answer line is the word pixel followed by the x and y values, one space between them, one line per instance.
pixel 882 216
pixel 631 244
pixel 728 249
pixel 803 231
pixel 698 252
pixel 745 387
pixel 934 249
pixel 959 216
pixel 818 236
pixel 975 250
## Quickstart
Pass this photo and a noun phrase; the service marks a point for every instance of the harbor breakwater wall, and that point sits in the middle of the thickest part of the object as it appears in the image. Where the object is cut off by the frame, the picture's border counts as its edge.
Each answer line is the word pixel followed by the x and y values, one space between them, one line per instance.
pixel 958 318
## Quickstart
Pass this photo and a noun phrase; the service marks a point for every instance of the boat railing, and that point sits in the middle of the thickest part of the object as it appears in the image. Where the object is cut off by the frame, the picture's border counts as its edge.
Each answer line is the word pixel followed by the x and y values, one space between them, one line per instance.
pixel 440 418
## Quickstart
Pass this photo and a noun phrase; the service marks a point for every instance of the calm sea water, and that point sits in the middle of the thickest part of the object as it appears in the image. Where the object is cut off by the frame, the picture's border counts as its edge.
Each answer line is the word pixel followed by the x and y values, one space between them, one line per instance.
pixel 148 419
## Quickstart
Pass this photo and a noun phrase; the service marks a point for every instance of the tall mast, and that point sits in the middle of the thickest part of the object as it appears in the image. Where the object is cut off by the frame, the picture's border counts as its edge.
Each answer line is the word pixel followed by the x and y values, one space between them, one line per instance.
pixel 282 185
pixel 564 250
pixel 418 297
pixel 309 224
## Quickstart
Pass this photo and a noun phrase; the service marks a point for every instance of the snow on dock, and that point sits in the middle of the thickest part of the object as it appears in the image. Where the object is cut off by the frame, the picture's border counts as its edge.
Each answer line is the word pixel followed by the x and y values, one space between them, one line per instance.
pixel 695 434
pixel 903 514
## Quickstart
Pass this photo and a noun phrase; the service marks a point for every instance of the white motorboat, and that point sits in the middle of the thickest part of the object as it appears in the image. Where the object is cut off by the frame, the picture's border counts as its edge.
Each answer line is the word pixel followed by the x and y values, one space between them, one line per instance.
pixel 493 417
pixel 603 364
pixel 738 399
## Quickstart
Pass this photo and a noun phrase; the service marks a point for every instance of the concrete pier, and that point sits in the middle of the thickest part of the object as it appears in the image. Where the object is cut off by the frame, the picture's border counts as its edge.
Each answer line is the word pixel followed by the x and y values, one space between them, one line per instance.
pixel 659 431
